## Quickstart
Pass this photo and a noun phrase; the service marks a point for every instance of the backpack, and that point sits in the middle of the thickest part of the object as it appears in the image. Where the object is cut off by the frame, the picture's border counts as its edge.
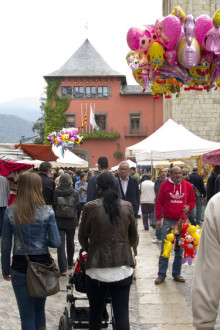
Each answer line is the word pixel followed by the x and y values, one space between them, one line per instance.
pixel 66 207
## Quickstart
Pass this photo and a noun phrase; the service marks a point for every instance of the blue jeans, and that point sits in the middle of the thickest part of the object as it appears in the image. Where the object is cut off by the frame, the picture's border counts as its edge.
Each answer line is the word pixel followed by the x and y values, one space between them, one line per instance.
pixel 198 209
pixel 163 262
pixel 2 212
pixel 159 234
pixel 32 310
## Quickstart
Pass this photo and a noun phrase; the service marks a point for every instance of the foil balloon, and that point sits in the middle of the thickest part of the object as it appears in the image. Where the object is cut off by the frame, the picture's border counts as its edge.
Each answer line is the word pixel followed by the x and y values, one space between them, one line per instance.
pixel 139 39
pixel 180 73
pixel 189 29
pixel 179 13
pixel 156 55
pixel 211 41
pixel 203 25
pixel 66 138
pixel 171 29
pixel 188 56
pixel 194 232
pixel 132 59
pixel 215 73
pixel 171 57
pixel 182 35
pixel 216 19
pixel 200 74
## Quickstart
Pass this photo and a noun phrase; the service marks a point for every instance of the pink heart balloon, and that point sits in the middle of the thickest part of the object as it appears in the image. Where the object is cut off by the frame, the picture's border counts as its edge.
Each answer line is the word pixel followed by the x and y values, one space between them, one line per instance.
pixel 203 25
pixel 171 29
pixel 171 57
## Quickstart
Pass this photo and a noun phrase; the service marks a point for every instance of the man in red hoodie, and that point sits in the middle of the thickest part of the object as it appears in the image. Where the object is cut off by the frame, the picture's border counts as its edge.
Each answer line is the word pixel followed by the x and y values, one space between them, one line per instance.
pixel 176 197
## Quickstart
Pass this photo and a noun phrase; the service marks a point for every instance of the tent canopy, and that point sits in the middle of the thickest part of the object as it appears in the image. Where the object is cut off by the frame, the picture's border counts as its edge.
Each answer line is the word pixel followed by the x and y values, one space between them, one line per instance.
pixel 69 159
pixel 38 151
pixel 131 164
pixel 212 157
pixel 7 167
pixel 171 141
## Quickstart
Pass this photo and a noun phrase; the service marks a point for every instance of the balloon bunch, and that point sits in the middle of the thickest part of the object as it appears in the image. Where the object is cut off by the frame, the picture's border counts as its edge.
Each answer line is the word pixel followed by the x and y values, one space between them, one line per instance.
pixel 177 51
pixel 66 138
pixel 189 241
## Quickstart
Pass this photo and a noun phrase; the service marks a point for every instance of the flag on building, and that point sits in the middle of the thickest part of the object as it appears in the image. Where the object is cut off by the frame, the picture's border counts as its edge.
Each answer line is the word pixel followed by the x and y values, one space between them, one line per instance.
pixel 92 119
pixel 84 120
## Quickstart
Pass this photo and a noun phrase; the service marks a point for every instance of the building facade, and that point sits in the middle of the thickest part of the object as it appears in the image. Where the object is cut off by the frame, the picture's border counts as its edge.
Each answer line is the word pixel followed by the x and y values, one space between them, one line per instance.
pixel 88 81
pixel 198 111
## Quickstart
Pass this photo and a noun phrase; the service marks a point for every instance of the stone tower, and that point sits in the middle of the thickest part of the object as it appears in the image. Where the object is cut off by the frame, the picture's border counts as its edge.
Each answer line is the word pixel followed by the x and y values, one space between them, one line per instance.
pixel 197 111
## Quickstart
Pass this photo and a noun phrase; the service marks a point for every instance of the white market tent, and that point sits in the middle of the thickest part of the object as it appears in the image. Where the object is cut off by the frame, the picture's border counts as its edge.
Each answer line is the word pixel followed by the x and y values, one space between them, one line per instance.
pixel 69 159
pixel 131 164
pixel 171 141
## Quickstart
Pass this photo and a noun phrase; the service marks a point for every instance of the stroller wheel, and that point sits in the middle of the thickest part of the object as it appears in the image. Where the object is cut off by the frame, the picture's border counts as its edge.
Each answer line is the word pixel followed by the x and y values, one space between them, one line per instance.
pixel 63 324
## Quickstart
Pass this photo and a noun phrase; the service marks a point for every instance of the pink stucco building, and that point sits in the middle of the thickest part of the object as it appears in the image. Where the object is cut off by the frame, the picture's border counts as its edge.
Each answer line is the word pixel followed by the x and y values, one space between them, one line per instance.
pixel 88 80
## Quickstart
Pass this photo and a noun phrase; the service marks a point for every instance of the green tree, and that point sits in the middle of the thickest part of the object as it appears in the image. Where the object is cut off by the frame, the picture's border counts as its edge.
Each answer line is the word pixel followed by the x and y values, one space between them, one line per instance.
pixel 54 109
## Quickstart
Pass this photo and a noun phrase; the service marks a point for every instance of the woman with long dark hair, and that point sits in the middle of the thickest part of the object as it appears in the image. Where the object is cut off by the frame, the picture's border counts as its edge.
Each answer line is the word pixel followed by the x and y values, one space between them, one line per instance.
pixel 39 230
pixel 107 232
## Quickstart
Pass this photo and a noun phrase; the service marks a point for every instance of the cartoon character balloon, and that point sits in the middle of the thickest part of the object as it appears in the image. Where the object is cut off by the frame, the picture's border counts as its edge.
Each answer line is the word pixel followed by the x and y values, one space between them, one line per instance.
pixel 139 39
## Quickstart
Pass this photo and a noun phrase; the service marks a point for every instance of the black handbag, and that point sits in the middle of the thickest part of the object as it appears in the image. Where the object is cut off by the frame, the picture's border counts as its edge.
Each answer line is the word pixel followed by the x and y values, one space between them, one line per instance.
pixel 42 279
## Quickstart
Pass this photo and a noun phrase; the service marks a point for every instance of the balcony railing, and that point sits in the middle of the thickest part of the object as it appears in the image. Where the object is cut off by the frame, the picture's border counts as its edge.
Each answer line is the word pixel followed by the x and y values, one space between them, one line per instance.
pixel 142 131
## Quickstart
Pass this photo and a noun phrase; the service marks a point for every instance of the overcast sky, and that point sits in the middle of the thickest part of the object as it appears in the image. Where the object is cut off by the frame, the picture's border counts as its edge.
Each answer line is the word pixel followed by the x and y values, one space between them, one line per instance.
pixel 39 36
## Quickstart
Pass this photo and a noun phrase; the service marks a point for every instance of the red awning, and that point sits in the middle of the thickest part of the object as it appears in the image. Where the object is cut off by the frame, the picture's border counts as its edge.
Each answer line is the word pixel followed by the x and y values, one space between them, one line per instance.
pixel 38 151
pixel 7 167
pixel 212 157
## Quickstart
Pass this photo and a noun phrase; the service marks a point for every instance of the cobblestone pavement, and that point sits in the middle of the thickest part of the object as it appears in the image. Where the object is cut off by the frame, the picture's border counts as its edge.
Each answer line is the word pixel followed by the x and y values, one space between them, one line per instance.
pixel 154 307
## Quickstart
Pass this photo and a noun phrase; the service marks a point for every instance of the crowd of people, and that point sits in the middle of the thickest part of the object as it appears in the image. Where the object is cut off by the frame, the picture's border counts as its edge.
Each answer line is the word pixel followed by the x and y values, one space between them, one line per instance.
pixel 50 205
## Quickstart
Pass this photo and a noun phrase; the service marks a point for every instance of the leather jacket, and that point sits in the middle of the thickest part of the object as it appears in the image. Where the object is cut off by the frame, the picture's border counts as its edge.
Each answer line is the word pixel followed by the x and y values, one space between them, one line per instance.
pixel 37 235
pixel 107 244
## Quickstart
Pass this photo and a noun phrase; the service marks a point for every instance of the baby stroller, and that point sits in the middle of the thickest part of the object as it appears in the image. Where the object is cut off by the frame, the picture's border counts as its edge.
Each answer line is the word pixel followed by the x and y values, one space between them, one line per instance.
pixel 76 316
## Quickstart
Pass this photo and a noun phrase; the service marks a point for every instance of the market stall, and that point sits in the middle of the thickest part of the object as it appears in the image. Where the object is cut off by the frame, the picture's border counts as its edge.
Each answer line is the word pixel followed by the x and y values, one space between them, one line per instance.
pixel 11 170
pixel 170 142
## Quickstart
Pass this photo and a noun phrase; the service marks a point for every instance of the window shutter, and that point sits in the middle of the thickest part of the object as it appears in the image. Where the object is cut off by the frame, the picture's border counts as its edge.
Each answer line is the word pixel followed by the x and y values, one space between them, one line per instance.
pixel 109 91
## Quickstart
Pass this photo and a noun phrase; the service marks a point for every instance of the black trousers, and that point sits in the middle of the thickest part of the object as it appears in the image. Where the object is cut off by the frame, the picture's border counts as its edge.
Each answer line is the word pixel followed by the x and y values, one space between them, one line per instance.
pixel 65 256
pixel 80 208
pixel 97 294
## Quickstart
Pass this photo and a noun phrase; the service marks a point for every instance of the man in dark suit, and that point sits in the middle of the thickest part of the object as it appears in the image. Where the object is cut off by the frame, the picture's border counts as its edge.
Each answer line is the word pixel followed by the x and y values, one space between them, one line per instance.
pixel 48 185
pixel 129 190
pixel 92 189
pixel 200 192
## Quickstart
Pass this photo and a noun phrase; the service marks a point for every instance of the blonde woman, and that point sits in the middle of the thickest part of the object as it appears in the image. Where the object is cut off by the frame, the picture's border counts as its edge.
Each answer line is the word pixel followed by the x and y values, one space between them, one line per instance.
pixel 39 230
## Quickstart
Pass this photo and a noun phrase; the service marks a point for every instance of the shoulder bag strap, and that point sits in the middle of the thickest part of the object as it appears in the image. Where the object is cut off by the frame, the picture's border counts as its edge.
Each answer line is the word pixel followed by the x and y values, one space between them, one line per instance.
pixel 22 241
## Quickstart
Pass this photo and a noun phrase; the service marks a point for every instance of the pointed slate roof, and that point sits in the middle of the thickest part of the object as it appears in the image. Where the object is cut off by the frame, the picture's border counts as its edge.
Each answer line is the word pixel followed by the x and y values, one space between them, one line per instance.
pixel 85 62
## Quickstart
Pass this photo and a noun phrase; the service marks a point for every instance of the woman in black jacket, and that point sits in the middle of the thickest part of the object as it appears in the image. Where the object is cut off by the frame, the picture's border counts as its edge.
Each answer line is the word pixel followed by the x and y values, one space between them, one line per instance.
pixel 65 203
pixel 107 231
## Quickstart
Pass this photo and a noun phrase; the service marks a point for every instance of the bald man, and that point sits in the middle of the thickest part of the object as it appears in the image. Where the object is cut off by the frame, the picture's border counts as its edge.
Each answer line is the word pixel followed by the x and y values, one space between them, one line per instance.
pixel 175 199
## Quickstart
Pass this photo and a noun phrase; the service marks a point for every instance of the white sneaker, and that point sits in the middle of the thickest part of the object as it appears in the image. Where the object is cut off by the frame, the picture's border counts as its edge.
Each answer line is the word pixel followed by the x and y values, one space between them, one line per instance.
pixel 155 241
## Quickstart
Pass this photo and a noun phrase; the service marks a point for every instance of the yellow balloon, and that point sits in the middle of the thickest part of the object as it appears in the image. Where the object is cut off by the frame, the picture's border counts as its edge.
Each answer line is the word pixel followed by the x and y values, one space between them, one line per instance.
pixel 156 55
pixel 168 245
pixel 216 18
pixel 167 249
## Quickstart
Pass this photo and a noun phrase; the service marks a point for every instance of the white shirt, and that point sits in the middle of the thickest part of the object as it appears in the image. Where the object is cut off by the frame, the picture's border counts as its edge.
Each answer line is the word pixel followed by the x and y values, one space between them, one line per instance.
pixel 112 274
pixel 124 184
pixel 147 192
